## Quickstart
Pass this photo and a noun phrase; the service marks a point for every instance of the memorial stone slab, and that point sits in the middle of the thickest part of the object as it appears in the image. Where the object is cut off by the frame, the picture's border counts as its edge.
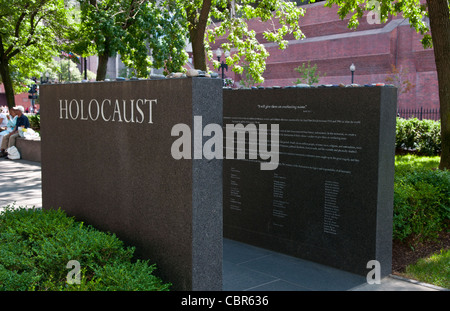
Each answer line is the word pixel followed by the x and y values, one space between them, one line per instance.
pixel 106 159
pixel 330 199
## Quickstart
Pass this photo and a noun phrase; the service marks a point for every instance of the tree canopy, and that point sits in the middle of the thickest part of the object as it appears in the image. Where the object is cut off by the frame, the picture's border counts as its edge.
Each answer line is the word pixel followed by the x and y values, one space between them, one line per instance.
pixel 208 20
pixel 31 32
pixel 132 28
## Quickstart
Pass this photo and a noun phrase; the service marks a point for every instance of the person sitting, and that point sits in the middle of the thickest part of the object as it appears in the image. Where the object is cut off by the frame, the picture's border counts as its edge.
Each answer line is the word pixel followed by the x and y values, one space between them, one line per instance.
pixel 10 125
pixel 3 121
pixel 9 139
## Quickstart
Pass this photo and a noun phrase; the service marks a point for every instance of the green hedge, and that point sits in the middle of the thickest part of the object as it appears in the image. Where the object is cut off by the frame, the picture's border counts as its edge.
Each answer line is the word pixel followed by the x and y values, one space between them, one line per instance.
pixel 421 136
pixel 36 245
pixel 421 202
pixel 35 122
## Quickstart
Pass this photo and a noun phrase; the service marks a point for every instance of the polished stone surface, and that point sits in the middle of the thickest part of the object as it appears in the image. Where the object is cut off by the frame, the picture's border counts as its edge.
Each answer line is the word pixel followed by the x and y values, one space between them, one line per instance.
pixel 330 200
pixel 107 160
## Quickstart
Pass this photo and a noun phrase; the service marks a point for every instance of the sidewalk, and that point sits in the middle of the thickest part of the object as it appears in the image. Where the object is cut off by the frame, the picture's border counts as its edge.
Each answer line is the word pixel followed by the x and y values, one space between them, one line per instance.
pixel 20 182
pixel 249 268
pixel 245 267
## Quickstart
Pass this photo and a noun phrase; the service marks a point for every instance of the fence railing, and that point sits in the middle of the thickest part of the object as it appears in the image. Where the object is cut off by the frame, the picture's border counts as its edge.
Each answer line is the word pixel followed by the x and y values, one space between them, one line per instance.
pixel 419 113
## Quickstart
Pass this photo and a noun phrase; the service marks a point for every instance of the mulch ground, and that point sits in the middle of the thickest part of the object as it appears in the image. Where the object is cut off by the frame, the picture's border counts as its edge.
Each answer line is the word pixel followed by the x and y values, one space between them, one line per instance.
pixel 403 254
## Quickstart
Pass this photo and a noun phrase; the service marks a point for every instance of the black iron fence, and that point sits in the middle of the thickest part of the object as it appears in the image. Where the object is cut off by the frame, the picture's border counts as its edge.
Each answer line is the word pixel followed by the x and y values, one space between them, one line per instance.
pixel 419 113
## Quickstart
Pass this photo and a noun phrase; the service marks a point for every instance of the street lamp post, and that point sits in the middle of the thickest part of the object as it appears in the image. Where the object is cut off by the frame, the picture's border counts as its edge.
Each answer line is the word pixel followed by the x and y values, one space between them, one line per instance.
pixel 223 65
pixel 352 69
pixel 85 68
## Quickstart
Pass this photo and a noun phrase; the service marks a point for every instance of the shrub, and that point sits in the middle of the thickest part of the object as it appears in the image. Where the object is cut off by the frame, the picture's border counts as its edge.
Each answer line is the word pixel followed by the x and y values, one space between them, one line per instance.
pixel 423 136
pixel 421 204
pixel 35 122
pixel 309 74
pixel 36 245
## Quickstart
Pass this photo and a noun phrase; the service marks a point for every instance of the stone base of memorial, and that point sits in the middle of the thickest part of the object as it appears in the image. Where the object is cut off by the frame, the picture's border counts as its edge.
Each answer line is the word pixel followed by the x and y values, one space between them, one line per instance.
pixel 330 198
pixel 106 159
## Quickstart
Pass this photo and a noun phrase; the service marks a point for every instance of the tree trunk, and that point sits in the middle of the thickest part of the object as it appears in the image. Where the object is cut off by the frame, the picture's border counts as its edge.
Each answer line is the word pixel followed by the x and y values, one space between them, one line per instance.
pixel 198 50
pixel 440 32
pixel 102 67
pixel 197 34
pixel 7 83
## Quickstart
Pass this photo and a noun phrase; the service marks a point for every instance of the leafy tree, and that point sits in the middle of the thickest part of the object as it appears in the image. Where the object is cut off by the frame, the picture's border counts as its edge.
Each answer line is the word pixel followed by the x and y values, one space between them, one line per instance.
pixel 399 78
pixel 308 74
pixel 232 17
pixel 29 32
pixel 247 79
pixel 131 28
pixel 436 34
pixel 65 69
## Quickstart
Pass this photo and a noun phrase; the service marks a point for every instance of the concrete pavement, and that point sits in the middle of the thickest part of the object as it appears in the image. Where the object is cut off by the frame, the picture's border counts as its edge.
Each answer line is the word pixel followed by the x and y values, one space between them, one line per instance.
pixel 20 183
pixel 249 268
pixel 245 267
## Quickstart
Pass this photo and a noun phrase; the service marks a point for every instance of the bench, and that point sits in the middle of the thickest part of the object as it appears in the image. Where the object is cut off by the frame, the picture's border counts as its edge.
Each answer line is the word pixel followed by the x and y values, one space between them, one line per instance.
pixel 29 149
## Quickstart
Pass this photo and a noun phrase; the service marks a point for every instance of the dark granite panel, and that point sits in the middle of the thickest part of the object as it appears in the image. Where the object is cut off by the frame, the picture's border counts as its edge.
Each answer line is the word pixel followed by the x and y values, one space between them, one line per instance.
pixel 330 198
pixel 207 193
pixel 106 159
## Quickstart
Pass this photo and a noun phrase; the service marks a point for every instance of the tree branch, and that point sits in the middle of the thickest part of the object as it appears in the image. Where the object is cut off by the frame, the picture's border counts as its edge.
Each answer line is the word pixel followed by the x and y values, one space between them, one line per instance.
pixel 33 27
pixel 133 11
pixel 2 50
pixel 18 24
pixel 204 13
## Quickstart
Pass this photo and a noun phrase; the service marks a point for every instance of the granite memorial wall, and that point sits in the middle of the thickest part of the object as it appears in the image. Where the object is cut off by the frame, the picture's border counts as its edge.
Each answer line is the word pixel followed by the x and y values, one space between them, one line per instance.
pixel 330 198
pixel 106 159
pixel 314 179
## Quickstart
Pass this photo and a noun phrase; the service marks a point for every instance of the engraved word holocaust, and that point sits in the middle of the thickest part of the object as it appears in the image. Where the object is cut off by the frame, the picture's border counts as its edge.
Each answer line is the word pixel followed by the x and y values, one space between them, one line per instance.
pixel 213 147
pixel 110 110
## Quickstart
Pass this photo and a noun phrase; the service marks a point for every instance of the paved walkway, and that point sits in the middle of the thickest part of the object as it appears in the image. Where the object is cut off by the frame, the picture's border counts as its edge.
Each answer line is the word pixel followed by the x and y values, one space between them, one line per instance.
pixel 249 268
pixel 20 183
pixel 245 267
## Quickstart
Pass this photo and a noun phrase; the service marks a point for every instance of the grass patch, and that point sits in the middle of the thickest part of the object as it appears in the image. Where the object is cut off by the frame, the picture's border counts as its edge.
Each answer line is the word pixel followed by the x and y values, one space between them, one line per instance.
pixel 407 163
pixel 433 270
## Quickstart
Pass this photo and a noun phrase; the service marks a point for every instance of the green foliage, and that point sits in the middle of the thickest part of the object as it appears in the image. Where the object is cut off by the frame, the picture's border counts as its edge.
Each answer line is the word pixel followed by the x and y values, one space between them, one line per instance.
pixel 35 122
pixel 31 33
pixel 247 80
pixel 424 136
pixel 247 50
pixel 132 29
pixel 406 163
pixel 60 70
pixel 433 270
pixel 413 10
pixel 308 74
pixel 36 245
pixel 421 200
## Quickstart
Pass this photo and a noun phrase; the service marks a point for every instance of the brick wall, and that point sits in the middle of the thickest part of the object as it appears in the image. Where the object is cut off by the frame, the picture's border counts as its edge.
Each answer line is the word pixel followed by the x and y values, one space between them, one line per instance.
pixel 20 99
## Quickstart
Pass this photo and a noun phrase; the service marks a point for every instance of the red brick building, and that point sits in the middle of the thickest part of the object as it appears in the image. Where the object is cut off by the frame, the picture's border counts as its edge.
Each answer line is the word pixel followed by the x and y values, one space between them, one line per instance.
pixel 372 48
pixel 20 99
